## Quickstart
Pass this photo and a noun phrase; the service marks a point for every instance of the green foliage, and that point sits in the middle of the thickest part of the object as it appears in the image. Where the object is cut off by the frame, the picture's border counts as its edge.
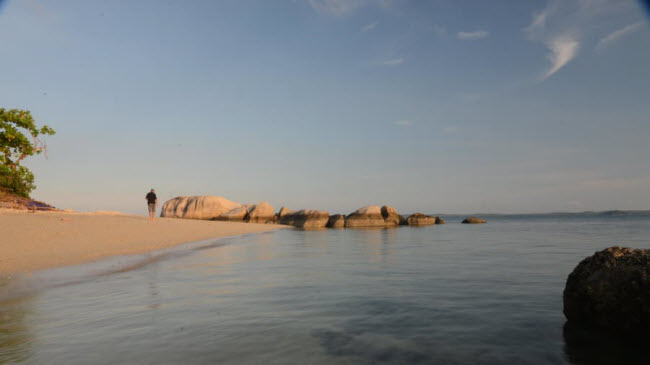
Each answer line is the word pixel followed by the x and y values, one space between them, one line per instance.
pixel 19 138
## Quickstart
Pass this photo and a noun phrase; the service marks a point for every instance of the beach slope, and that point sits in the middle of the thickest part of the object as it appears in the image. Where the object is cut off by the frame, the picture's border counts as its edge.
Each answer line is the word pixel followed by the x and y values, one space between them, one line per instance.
pixel 41 240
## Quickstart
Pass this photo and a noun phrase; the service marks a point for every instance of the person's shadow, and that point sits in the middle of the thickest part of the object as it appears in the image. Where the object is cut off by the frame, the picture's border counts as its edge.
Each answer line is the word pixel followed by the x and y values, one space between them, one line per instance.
pixel 588 346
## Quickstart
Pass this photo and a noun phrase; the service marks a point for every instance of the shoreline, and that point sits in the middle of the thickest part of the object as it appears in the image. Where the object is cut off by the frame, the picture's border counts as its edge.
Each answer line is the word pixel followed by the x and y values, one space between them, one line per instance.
pixel 44 240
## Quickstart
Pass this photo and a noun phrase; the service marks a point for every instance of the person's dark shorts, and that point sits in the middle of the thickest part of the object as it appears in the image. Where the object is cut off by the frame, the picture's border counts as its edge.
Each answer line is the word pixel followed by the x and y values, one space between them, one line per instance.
pixel 152 208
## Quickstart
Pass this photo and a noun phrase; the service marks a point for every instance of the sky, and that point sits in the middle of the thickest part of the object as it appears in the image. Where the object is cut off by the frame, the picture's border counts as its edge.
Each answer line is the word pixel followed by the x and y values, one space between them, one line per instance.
pixel 441 106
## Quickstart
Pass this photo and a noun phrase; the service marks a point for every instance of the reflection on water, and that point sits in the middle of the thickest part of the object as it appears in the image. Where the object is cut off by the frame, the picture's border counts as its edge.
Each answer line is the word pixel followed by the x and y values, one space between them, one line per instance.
pixel 445 294
pixel 15 336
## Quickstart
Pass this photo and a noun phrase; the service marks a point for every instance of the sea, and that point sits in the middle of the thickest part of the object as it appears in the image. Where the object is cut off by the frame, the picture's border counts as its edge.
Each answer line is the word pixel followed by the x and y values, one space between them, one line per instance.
pixel 443 294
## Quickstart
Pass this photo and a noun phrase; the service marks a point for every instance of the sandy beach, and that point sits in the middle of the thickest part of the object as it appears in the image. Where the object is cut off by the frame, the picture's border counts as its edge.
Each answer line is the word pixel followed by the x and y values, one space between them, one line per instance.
pixel 41 240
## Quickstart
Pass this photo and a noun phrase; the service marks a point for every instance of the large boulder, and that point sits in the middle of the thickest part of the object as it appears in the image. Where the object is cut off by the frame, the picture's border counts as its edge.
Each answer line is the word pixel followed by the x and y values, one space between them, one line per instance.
pixel 391 218
pixel 474 220
pixel 306 218
pixel 440 221
pixel 236 215
pixel 369 216
pixel 262 212
pixel 336 221
pixel 284 211
pixel 611 290
pixel 197 207
pixel 419 219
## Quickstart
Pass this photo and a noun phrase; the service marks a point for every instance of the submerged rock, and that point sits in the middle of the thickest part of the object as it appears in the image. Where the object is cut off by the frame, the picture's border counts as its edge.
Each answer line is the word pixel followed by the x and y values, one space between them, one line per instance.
pixel 419 219
pixel 197 207
pixel 474 220
pixel 306 218
pixel 336 221
pixel 611 290
pixel 262 212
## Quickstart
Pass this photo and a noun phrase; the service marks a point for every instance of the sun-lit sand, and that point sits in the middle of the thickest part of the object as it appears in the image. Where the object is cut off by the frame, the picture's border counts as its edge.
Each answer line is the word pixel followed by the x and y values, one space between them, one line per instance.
pixel 40 240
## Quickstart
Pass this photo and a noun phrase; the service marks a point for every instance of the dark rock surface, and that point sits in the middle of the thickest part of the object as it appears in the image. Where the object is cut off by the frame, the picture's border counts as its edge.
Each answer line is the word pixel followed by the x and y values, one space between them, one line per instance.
pixel 336 221
pixel 610 290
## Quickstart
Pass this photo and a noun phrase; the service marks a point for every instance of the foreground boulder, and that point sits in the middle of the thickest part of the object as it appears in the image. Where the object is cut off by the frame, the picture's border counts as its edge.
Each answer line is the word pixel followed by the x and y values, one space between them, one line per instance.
pixel 611 290
pixel 419 219
pixel 474 220
pixel 197 207
pixel 262 212
pixel 336 221
pixel 306 218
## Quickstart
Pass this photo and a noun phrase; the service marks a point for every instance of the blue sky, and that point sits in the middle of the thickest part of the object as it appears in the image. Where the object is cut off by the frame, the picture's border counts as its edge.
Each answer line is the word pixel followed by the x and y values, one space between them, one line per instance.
pixel 432 106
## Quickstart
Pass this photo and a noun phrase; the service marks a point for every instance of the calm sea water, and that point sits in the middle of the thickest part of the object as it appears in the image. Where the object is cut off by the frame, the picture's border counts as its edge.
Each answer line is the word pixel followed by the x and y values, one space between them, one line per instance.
pixel 451 294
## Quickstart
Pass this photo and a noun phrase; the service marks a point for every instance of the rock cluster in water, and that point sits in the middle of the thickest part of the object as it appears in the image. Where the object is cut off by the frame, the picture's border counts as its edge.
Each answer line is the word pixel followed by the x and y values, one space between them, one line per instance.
pixel 222 209
pixel 610 290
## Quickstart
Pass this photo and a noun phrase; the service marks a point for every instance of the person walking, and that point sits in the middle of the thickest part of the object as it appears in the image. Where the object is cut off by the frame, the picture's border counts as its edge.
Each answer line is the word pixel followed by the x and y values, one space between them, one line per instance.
pixel 152 201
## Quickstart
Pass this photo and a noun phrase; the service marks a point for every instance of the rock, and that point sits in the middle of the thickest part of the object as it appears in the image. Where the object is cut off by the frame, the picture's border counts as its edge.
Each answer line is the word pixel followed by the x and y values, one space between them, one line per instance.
pixel 306 218
pixel 611 290
pixel 336 221
pixel 369 216
pixel 373 216
pixel 419 219
pixel 474 220
pixel 197 207
pixel 236 215
pixel 283 212
pixel 440 221
pixel 402 220
pixel 262 212
pixel 391 218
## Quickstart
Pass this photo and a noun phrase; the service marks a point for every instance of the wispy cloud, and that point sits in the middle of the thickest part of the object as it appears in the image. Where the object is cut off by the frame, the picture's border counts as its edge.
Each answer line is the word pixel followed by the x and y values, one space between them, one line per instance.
pixel 393 62
pixel 563 26
pixel 403 123
pixel 563 49
pixel 369 27
pixel 472 36
pixel 613 36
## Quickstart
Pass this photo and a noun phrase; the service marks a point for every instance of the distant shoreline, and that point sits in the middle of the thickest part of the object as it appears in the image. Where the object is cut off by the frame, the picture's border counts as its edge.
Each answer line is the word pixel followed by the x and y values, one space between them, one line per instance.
pixel 43 240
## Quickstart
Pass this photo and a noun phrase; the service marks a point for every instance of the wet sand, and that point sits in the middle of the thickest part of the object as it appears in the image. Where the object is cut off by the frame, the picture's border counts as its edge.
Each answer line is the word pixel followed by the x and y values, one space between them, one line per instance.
pixel 42 240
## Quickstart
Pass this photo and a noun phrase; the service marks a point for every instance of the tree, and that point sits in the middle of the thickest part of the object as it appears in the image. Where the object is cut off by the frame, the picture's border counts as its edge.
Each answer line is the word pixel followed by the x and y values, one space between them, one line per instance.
pixel 19 139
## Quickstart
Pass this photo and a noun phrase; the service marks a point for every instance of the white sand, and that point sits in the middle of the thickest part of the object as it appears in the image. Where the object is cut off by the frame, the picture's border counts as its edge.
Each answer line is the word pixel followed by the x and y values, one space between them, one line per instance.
pixel 40 240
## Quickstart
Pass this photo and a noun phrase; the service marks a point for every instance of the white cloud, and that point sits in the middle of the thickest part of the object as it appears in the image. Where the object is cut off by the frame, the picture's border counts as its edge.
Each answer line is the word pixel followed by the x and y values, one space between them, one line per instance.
pixel 563 50
pixel 471 36
pixel 394 62
pixel 403 123
pixel 369 27
pixel 611 37
pixel 563 26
